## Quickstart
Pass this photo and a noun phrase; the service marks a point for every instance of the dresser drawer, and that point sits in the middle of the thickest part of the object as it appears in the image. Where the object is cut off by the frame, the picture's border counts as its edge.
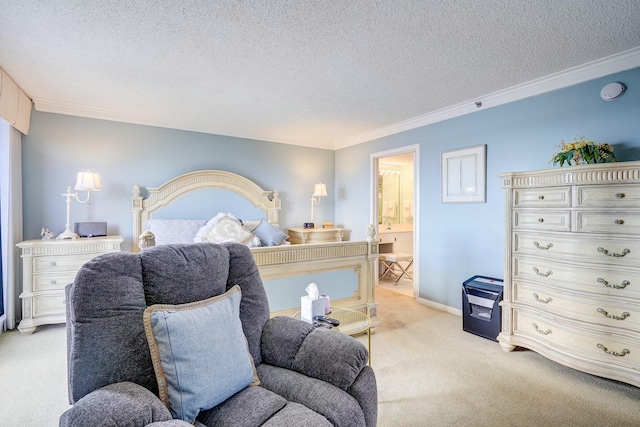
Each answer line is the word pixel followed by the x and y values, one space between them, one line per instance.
pixel 611 312
pixel 607 222
pixel 54 264
pixel 607 281
pixel 49 304
pixel 542 220
pixel 52 281
pixel 608 196
pixel 610 348
pixel 609 250
pixel 551 197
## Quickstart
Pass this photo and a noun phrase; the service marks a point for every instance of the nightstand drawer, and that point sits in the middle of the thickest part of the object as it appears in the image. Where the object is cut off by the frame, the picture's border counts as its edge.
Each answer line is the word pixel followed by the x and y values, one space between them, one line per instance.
pixel 49 305
pixel 51 281
pixel 52 264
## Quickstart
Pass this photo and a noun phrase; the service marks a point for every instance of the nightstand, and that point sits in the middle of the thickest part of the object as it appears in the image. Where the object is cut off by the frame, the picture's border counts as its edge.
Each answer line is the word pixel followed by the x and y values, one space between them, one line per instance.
pixel 317 235
pixel 47 267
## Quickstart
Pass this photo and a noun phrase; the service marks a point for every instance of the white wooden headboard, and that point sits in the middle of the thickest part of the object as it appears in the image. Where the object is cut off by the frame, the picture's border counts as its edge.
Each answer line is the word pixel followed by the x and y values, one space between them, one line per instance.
pixel 160 197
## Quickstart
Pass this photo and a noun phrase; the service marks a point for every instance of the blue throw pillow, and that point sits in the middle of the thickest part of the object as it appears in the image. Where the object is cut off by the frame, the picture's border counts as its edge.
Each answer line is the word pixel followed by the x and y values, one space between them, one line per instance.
pixel 199 352
pixel 269 235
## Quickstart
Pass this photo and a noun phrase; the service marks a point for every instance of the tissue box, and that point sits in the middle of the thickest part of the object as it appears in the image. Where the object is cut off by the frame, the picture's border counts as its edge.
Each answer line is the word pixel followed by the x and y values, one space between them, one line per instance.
pixel 312 307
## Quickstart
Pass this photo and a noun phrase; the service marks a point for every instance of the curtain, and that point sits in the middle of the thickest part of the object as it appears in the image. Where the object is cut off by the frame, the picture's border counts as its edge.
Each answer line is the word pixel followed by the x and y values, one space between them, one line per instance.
pixel 15 105
pixel 10 222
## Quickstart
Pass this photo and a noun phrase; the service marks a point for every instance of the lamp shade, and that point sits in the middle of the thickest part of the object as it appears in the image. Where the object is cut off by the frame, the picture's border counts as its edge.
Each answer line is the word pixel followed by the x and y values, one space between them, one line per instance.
pixel 320 190
pixel 88 181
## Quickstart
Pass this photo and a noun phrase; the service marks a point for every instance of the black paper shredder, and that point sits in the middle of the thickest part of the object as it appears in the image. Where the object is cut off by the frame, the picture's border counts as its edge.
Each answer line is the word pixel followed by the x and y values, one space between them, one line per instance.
pixel 481 314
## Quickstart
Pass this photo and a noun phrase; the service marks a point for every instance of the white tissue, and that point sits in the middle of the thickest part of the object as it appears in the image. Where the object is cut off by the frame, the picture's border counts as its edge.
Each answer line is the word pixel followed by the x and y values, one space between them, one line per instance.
pixel 312 304
pixel 312 291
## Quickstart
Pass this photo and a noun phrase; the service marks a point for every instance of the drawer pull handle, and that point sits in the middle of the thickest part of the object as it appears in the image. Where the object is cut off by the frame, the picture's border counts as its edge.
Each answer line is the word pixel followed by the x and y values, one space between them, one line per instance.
pixel 619 221
pixel 540 219
pixel 541 197
pixel 604 312
pixel 53 264
pixel 613 254
pixel 620 195
pixel 622 285
pixel 543 301
pixel 547 274
pixel 52 282
pixel 547 332
pixel 544 248
pixel 624 351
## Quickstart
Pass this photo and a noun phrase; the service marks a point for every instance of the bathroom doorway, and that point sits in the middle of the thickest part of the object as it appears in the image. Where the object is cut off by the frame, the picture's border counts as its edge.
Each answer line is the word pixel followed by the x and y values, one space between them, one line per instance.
pixel 394 209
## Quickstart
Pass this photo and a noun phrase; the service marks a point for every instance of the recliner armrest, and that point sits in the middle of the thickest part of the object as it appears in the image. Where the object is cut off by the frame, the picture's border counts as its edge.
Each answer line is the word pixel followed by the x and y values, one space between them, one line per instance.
pixel 319 353
pixel 123 403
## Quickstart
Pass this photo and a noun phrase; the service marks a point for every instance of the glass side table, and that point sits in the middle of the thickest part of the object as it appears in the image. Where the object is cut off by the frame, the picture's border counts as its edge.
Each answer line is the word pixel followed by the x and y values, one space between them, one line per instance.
pixel 352 323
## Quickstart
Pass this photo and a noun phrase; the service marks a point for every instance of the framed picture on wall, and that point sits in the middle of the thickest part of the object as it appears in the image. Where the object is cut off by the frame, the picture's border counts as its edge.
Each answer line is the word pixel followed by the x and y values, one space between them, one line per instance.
pixel 464 175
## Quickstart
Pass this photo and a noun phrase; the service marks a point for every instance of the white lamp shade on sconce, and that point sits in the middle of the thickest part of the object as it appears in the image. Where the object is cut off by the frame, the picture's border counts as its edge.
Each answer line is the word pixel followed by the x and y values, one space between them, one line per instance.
pixel 320 190
pixel 88 181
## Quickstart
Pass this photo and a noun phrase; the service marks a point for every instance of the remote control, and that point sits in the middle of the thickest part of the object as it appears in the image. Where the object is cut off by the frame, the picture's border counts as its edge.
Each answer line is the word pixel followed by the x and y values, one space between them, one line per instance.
pixel 328 320
pixel 321 325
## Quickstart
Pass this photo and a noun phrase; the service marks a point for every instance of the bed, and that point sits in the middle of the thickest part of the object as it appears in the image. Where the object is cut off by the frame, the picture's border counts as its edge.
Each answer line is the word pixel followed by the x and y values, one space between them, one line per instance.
pixel 278 263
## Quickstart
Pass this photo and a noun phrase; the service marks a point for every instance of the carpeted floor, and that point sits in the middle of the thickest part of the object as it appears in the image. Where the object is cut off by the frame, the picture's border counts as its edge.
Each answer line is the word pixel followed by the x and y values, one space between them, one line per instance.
pixel 403 286
pixel 429 372
pixel 432 373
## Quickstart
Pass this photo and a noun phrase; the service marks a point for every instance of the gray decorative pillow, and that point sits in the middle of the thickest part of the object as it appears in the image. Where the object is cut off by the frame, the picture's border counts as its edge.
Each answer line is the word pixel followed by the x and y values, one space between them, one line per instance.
pixel 270 235
pixel 199 352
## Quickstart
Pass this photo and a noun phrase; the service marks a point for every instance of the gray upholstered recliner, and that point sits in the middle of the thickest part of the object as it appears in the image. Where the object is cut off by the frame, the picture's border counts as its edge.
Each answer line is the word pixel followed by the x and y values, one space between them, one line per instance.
pixel 310 377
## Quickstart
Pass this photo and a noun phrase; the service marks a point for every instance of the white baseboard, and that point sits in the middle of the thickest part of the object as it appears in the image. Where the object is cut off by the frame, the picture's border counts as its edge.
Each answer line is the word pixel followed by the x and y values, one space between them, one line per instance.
pixel 438 306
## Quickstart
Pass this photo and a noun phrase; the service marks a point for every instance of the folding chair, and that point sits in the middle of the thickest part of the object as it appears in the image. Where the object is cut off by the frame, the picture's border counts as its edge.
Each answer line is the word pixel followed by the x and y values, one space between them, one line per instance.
pixel 391 265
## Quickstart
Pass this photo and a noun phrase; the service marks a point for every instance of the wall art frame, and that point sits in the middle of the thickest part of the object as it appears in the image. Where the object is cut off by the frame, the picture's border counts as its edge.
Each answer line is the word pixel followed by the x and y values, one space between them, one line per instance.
pixel 464 175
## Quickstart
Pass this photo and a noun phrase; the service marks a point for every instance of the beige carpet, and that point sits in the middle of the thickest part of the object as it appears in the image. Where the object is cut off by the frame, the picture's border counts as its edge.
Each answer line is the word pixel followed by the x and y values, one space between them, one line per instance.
pixel 403 286
pixel 429 371
pixel 432 373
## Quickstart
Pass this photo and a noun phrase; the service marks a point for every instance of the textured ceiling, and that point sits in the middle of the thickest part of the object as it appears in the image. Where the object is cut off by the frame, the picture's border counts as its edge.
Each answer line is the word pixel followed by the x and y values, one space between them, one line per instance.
pixel 317 73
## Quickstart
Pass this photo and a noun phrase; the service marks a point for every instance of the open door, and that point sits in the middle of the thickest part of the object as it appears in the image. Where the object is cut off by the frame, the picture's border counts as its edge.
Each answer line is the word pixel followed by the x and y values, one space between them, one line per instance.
pixel 394 209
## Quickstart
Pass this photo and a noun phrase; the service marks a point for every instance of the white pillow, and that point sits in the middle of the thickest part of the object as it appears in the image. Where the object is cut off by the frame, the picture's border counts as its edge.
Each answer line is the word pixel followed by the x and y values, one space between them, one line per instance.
pixel 225 227
pixel 169 231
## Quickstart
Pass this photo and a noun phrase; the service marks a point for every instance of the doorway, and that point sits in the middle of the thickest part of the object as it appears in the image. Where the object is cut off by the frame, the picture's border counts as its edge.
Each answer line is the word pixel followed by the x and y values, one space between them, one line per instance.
pixel 394 210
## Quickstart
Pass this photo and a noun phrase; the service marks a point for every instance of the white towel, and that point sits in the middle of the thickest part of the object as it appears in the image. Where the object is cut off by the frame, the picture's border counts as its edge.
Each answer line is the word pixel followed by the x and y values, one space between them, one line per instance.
pixel 407 208
pixel 389 209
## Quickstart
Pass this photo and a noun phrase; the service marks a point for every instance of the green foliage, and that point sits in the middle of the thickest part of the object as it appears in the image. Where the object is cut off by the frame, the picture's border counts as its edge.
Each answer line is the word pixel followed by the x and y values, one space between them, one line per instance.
pixel 583 151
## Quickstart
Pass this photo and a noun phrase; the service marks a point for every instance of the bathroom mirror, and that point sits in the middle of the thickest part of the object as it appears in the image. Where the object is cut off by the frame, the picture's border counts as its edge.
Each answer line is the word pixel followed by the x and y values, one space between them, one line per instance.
pixel 389 193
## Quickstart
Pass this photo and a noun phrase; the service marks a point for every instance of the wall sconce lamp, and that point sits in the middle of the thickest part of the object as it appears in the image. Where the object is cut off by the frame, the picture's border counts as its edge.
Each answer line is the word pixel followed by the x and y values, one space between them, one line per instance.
pixel 86 181
pixel 319 191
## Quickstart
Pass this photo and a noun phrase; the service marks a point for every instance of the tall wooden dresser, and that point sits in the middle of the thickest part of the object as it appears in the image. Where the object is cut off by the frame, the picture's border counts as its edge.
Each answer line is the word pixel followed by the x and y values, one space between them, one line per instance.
pixel 572 267
pixel 47 267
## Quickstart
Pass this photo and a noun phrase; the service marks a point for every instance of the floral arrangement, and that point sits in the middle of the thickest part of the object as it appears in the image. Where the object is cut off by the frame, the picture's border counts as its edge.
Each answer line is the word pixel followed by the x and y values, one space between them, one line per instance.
pixel 583 151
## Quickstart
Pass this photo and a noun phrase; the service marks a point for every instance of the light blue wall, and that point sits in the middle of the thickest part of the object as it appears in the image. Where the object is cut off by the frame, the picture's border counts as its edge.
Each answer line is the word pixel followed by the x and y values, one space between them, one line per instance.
pixel 458 241
pixel 59 146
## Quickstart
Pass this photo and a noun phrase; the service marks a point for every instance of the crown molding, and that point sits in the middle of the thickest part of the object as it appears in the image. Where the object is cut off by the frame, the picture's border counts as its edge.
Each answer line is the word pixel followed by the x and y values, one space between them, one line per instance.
pixel 589 71
pixel 602 67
